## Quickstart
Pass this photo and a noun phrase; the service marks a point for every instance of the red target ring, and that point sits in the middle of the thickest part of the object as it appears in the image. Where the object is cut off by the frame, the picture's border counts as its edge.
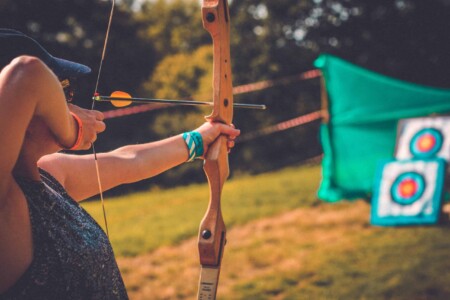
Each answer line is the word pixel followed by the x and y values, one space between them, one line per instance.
pixel 407 188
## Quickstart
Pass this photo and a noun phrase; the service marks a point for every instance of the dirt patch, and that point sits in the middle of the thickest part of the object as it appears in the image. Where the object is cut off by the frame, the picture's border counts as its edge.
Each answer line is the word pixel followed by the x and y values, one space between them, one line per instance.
pixel 282 243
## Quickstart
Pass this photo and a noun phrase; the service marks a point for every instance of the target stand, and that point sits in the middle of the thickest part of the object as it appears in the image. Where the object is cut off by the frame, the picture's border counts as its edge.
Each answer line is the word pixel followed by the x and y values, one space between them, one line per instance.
pixel 408 192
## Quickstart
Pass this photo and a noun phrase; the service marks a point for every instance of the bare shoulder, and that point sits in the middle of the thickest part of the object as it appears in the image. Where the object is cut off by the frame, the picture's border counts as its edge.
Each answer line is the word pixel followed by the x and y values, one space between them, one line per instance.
pixel 28 62
pixel 25 66
pixel 24 70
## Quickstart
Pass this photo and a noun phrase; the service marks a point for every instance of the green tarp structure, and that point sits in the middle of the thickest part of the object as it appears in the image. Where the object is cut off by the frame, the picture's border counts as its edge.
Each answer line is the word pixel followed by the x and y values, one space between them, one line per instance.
pixel 364 108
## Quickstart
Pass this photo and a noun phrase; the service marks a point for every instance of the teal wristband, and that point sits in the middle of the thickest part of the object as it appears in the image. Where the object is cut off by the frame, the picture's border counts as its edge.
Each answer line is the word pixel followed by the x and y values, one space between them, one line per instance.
pixel 194 143
pixel 190 143
pixel 198 143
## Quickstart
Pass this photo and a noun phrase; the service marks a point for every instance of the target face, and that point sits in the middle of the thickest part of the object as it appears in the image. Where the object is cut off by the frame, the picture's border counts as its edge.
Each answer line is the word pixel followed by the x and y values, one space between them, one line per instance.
pixel 407 188
pixel 408 192
pixel 426 143
pixel 423 138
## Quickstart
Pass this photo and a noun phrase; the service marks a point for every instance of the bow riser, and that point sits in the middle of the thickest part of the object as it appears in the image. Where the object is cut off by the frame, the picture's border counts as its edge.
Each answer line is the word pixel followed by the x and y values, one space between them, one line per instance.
pixel 216 22
pixel 212 229
pixel 212 233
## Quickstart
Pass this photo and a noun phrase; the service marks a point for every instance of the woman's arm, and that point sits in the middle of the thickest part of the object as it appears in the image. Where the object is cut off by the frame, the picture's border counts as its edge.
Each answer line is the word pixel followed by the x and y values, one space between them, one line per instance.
pixel 29 92
pixel 28 89
pixel 127 164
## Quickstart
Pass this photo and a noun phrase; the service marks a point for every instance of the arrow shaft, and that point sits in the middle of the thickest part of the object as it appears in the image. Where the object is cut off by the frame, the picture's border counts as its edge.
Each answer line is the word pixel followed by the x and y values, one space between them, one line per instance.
pixel 173 102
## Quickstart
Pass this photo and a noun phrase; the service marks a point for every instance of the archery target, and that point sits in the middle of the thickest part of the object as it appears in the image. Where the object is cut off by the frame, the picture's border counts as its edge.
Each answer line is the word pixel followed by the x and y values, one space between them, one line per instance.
pixel 426 143
pixel 408 192
pixel 407 188
pixel 424 138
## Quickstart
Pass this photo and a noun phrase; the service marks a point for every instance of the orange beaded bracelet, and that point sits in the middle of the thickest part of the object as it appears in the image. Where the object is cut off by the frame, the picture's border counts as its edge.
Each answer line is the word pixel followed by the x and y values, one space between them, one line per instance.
pixel 80 131
pixel 79 134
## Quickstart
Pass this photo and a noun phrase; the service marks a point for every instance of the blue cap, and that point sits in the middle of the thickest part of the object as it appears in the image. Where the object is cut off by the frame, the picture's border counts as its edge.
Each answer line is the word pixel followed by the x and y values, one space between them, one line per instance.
pixel 14 43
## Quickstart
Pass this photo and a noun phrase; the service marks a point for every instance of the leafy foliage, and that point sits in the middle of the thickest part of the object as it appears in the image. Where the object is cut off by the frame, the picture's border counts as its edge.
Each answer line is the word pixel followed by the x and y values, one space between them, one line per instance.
pixel 162 50
pixel 75 30
pixel 399 38
pixel 185 75
pixel 172 26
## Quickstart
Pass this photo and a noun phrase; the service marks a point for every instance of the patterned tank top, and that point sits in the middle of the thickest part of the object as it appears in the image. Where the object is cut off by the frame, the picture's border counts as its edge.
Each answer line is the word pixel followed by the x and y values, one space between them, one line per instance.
pixel 72 256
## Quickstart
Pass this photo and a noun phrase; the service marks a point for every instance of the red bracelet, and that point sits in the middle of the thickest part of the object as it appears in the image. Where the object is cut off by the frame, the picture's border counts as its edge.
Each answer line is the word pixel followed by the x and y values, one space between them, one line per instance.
pixel 80 132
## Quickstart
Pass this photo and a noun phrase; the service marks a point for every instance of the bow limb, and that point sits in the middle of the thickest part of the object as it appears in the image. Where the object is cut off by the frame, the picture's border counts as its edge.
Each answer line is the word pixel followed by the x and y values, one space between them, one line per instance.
pixel 212 233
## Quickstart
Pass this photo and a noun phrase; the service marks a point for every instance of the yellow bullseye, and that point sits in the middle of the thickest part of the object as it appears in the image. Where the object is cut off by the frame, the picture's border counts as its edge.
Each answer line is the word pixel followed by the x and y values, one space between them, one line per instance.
pixel 120 103
pixel 408 188
pixel 426 142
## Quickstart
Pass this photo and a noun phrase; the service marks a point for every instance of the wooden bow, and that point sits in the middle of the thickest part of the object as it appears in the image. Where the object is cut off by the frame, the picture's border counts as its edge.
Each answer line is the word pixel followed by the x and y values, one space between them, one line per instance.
pixel 212 233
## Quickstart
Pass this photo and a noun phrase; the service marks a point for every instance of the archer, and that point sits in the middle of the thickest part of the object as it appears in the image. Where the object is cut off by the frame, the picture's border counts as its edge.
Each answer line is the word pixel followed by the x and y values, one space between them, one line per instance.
pixel 50 247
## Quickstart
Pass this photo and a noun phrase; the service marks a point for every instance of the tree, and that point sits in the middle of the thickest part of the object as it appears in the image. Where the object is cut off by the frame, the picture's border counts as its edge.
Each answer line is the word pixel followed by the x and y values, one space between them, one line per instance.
pixel 76 30
pixel 401 38
pixel 162 50
pixel 172 26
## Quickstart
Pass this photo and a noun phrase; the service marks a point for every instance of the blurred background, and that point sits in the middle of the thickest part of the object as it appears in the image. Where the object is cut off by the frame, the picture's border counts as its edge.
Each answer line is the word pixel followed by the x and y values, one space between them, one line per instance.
pixel 160 49
pixel 283 242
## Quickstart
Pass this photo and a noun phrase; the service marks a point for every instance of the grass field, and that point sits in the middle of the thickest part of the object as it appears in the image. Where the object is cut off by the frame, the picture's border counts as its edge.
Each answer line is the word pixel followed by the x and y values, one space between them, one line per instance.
pixel 282 244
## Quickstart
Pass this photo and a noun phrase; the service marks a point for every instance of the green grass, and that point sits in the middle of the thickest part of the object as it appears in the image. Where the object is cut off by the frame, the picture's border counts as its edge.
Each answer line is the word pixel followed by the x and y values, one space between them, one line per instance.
pixel 141 222
pixel 384 263
pixel 292 246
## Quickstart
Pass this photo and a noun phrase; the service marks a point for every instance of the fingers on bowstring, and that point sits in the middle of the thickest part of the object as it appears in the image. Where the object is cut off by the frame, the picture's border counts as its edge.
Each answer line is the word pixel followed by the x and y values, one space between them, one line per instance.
pixel 98 115
pixel 100 126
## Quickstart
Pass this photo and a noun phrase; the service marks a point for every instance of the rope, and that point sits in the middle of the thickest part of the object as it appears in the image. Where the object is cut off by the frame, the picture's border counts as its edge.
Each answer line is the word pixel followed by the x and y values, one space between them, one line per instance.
pixel 242 89
pixel 301 120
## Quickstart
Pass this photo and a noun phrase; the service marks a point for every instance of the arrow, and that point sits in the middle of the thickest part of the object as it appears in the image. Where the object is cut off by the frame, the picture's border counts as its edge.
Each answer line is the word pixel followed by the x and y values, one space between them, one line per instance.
pixel 121 99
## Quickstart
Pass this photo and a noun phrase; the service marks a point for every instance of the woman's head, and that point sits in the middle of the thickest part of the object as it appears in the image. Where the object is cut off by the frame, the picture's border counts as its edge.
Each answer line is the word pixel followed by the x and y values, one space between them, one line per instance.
pixel 14 43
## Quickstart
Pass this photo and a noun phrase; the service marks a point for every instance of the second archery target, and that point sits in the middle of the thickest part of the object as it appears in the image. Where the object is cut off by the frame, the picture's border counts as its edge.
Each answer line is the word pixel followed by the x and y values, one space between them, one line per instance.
pixel 408 192
pixel 423 138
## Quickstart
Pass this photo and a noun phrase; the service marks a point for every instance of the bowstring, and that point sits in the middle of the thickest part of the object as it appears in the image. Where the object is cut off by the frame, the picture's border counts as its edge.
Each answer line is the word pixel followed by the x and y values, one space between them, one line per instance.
pixel 97 169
